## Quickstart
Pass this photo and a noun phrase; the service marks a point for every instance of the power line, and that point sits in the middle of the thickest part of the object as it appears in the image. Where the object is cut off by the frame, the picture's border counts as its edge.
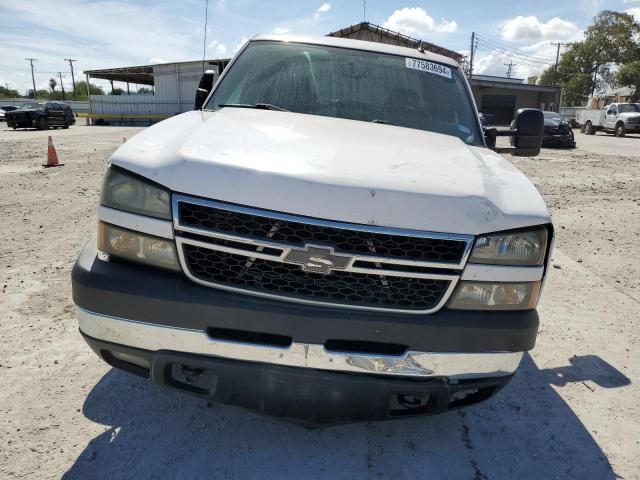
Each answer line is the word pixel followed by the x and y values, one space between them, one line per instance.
pixel 33 78
pixel 506 56
pixel 509 54
pixel 516 51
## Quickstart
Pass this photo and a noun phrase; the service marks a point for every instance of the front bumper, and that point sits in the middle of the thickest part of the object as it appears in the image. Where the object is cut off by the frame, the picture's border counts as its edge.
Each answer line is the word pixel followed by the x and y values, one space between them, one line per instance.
pixel 304 396
pixel 159 315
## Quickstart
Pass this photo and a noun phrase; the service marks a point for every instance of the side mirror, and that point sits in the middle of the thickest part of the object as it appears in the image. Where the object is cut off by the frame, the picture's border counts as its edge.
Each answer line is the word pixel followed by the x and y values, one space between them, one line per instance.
pixel 204 88
pixel 529 127
pixel 526 134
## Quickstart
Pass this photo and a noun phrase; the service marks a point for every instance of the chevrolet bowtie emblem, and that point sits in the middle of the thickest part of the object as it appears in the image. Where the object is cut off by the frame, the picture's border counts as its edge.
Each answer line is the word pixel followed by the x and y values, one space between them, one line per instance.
pixel 317 259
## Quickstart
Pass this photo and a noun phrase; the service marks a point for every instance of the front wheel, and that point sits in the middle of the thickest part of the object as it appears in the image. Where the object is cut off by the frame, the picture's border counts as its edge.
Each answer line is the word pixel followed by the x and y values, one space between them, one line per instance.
pixel 66 125
pixel 620 131
pixel 43 124
pixel 589 129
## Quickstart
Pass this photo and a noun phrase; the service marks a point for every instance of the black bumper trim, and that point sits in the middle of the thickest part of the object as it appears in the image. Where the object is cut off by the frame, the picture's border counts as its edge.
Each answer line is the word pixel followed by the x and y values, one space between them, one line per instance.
pixel 149 295
pixel 305 396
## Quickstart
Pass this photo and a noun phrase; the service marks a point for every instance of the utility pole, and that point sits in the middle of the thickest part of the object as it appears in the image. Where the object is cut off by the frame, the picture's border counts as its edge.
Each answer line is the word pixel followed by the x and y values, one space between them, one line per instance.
pixel 473 47
pixel 33 78
pixel 510 66
pixel 73 78
pixel 364 10
pixel 559 44
pixel 61 85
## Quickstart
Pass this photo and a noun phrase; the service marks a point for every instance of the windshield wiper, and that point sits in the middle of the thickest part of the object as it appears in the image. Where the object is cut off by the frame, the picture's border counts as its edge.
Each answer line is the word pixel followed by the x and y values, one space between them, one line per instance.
pixel 385 122
pixel 257 106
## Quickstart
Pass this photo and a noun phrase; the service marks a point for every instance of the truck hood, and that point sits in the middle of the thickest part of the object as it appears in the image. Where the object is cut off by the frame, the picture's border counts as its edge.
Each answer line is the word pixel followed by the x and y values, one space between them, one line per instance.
pixel 335 169
pixel 626 116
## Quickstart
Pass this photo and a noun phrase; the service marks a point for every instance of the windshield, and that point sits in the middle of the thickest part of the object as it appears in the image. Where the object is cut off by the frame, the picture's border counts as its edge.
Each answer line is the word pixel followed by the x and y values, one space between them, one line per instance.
pixel 32 106
pixel 552 116
pixel 628 107
pixel 351 84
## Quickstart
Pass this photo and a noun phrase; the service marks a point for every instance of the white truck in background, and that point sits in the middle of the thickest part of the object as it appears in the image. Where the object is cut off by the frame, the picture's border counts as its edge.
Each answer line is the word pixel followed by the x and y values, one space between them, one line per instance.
pixel 616 118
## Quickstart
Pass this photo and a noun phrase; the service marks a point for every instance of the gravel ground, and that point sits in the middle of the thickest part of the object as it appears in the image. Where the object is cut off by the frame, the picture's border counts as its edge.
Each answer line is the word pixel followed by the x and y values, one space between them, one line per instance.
pixel 572 411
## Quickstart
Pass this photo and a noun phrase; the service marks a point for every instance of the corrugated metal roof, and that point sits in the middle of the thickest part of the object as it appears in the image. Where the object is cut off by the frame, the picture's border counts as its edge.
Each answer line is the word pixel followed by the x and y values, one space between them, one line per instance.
pixel 375 33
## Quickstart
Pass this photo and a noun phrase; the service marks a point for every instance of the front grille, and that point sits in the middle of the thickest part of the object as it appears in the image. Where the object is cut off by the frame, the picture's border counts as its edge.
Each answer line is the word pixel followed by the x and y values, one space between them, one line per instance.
pixel 343 240
pixel 338 287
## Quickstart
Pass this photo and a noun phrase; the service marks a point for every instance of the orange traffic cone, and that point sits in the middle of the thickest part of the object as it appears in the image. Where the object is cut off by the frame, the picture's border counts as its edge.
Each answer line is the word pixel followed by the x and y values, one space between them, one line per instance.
pixel 52 155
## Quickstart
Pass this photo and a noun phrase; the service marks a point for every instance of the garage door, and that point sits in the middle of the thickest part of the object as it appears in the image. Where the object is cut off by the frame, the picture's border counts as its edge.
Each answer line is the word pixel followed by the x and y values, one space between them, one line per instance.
pixel 500 108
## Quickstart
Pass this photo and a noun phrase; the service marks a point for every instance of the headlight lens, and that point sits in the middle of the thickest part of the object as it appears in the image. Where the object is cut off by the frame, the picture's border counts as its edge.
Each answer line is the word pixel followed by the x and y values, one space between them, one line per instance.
pixel 138 247
pixel 526 247
pixel 495 296
pixel 132 194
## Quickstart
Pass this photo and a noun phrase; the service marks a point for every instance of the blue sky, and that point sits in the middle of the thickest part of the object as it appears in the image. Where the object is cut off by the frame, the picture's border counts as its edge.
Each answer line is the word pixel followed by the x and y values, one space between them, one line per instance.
pixel 111 33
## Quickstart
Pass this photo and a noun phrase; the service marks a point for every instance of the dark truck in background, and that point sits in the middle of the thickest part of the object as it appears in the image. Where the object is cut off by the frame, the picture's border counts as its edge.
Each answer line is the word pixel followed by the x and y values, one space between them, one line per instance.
pixel 41 115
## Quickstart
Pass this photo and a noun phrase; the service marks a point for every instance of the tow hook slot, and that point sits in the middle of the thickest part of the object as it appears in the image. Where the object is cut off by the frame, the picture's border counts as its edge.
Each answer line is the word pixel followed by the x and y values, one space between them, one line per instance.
pixel 197 380
pixel 408 404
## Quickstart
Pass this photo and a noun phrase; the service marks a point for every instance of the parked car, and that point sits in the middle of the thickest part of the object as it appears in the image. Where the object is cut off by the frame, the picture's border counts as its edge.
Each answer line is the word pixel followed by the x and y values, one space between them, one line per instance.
pixel 486 119
pixel 41 115
pixel 617 118
pixel 4 109
pixel 557 132
pixel 328 237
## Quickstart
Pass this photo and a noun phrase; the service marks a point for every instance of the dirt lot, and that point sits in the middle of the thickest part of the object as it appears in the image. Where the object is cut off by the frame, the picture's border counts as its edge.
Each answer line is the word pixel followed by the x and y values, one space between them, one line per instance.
pixel 571 412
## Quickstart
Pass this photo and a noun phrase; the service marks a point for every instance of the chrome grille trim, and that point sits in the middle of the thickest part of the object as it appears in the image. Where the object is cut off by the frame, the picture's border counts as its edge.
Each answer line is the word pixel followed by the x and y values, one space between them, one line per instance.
pixel 262 244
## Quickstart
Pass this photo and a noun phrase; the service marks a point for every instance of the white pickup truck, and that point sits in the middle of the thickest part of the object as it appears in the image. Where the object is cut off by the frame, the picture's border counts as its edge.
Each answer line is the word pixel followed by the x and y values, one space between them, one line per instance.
pixel 617 118
pixel 327 238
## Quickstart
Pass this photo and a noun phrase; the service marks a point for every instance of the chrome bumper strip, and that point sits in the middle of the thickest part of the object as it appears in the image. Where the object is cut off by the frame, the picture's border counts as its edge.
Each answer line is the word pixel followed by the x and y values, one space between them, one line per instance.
pixel 411 364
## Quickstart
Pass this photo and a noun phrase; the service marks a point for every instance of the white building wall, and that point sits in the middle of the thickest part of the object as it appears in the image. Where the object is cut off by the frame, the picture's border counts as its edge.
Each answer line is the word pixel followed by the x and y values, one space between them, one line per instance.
pixel 175 88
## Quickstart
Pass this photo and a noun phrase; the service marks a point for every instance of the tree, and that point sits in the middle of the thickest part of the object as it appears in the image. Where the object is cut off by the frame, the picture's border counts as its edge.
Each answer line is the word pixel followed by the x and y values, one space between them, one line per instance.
pixel 8 93
pixel 145 90
pixel 629 75
pixel 585 67
pixel 52 84
pixel 80 91
pixel 117 91
pixel 42 94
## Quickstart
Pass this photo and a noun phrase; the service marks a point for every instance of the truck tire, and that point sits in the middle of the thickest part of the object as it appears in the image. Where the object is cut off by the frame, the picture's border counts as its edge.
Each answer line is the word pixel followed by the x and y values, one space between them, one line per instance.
pixel 620 131
pixel 66 125
pixel 43 124
pixel 589 129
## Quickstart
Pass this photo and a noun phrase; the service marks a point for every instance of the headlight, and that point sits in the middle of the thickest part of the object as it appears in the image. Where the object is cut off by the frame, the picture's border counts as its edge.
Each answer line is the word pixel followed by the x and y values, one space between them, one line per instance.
pixel 133 194
pixel 138 247
pixel 495 296
pixel 526 247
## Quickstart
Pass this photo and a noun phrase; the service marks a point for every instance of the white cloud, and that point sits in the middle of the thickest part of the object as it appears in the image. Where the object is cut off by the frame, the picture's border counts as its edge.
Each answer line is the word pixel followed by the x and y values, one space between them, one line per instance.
pixel 157 60
pixel 416 21
pixel 220 48
pixel 239 44
pixel 281 30
pixel 530 28
pixel 634 12
pixel 324 8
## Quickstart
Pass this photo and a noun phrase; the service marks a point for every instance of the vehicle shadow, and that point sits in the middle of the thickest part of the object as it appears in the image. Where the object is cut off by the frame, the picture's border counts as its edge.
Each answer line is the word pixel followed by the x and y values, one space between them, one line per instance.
pixel 526 431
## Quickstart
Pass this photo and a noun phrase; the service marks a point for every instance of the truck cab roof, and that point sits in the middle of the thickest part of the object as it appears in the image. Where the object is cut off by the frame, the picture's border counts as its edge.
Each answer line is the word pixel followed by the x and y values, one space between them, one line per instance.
pixel 358 45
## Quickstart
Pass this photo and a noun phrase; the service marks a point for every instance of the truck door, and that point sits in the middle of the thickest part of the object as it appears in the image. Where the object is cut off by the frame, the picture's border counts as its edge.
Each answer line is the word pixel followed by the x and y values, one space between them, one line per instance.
pixel 611 115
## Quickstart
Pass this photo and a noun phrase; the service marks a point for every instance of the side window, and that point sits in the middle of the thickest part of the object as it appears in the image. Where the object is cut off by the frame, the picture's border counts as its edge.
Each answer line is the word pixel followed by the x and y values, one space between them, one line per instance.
pixel 614 109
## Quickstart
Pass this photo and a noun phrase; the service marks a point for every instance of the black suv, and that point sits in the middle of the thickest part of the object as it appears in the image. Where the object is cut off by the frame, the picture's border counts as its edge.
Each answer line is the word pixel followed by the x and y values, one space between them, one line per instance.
pixel 41 115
